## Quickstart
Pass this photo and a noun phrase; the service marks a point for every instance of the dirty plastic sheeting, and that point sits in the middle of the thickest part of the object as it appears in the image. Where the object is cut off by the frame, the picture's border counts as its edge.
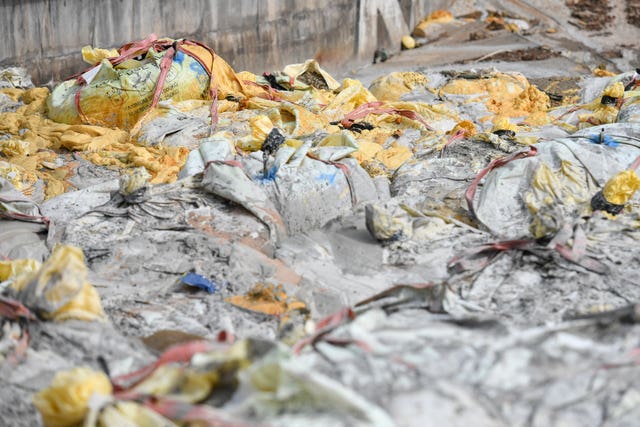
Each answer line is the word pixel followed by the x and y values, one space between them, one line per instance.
pixel 416 251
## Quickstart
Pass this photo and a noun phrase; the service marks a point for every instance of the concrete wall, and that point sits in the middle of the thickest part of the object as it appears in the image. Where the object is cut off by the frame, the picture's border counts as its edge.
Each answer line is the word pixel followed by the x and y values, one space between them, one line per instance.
pixel 46 36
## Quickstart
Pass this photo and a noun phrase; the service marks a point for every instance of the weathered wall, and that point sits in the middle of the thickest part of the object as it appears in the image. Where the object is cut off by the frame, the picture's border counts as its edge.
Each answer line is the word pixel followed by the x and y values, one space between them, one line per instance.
pixel 46 35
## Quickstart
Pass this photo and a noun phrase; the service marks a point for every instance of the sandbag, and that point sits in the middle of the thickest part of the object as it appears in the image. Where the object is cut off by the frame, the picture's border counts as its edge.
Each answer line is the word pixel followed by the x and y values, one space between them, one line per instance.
pixel 117 92
pixel 536 196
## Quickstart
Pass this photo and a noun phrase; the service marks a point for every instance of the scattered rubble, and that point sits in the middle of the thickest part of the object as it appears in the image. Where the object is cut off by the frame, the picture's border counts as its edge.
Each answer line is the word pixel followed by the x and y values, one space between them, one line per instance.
pixel 590 15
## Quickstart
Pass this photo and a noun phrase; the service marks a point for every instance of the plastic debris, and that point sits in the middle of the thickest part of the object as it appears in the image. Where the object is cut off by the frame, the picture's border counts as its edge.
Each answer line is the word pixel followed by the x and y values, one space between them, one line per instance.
pixel 617 191
pixel 199 282
pixel 268 299
pixel 310 73
pixel 59 289
pixel 388 224
pixel 397 240
pixel 65 402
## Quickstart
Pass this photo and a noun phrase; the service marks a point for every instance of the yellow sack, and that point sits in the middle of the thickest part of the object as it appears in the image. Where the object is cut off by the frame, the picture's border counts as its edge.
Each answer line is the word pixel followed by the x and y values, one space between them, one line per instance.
pixel 119 95
pixel 59 290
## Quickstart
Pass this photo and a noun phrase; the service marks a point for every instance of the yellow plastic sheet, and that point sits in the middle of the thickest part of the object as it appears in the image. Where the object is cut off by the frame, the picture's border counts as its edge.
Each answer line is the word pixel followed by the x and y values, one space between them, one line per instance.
pixel 65 402
pixel 95 55
pixel 394 157
pixel 352 95
pixel 260 125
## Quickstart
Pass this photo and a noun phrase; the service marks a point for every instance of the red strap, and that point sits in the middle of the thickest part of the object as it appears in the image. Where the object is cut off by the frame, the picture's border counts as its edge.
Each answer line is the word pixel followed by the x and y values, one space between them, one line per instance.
pixel 179 353
pixel 459 135
pixel 131 50
pixel 346 172
pixel 81 83
pixel 165 66
pixel 325 326
pixel 134 49
pixel 13 309
pixel 476 259
pixel 471 191
pixel 377 107
pixel 361 112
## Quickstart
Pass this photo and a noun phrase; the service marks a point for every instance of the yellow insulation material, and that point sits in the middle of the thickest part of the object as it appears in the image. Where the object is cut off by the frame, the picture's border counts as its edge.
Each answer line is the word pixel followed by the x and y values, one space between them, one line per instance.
pixel 29 154
pixel 508 95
